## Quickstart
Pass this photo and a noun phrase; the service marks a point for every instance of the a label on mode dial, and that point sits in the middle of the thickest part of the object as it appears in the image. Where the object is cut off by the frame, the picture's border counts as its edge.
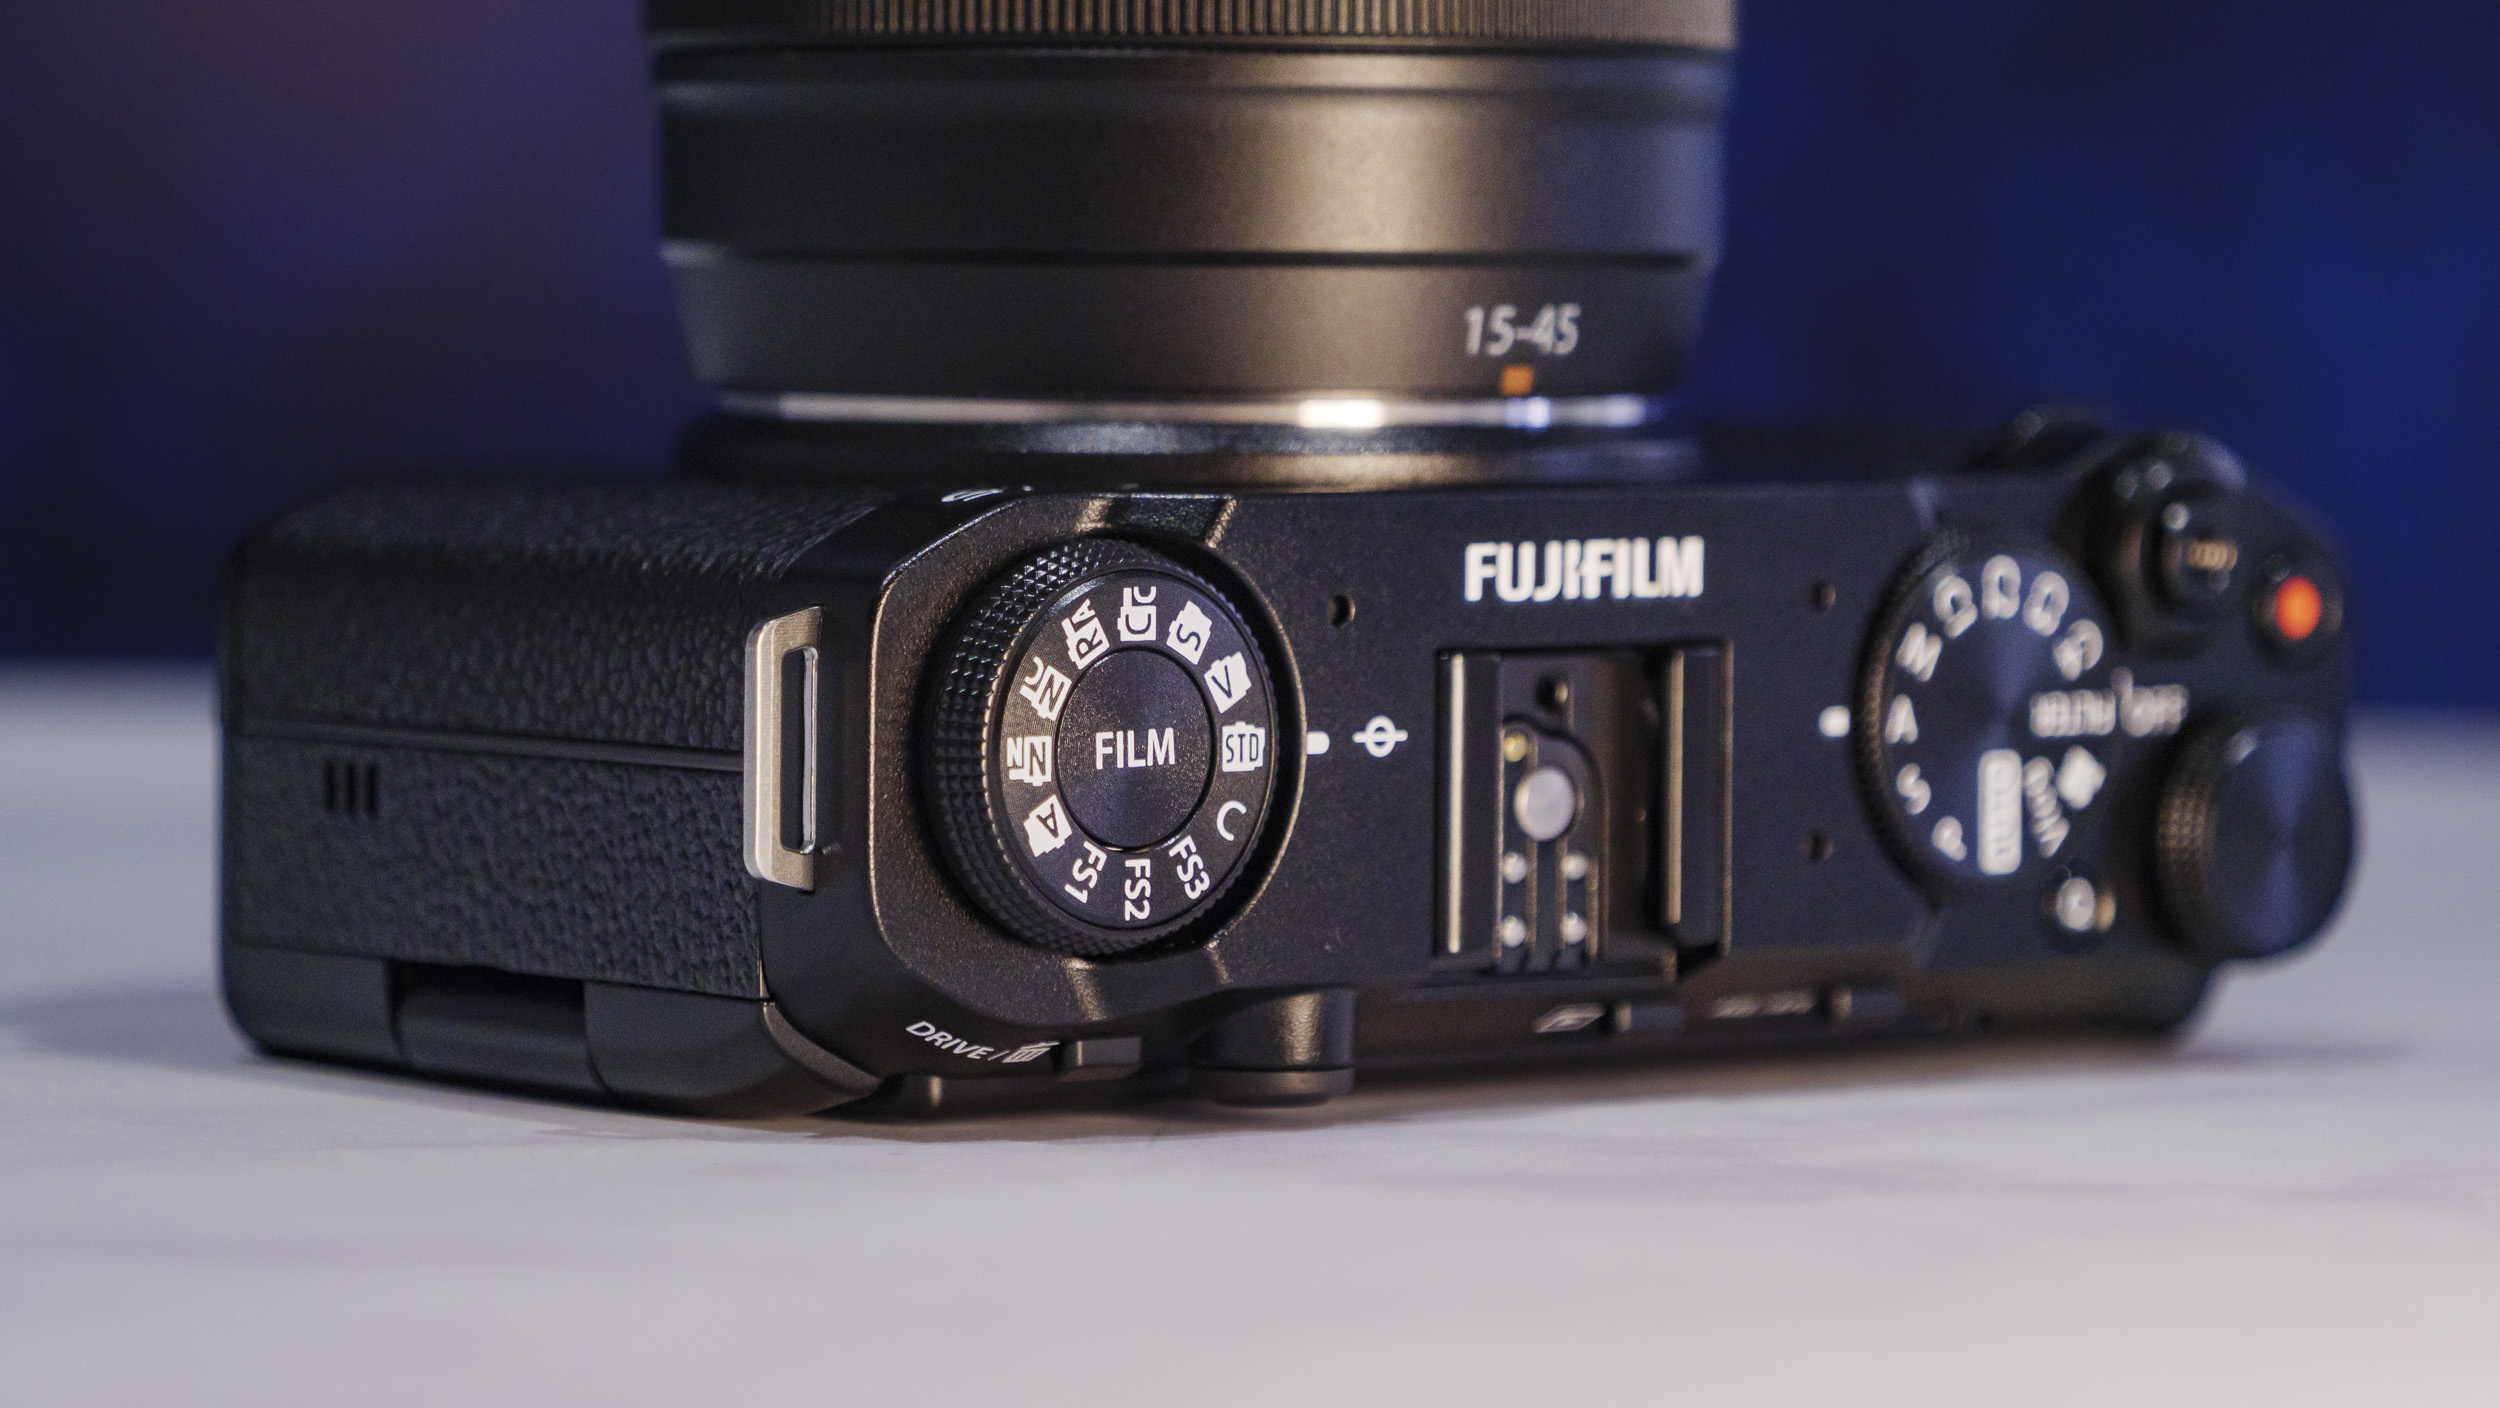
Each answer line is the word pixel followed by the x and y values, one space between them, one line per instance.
pixel 1134 750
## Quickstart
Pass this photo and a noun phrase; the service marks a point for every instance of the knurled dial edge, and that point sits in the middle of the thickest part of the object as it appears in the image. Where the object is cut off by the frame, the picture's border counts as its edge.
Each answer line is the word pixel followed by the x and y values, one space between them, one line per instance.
pixel 1021 808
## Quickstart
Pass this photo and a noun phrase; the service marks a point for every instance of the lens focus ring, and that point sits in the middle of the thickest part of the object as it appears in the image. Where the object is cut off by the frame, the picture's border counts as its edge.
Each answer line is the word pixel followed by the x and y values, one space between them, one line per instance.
pixel 1158 225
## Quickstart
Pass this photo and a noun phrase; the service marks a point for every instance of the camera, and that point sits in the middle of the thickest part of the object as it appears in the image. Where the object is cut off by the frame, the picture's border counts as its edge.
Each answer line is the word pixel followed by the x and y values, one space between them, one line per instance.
pixel 1197 579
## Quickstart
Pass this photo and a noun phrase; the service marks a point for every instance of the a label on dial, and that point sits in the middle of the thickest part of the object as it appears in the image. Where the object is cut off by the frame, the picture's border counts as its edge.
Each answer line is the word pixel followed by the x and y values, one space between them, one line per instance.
pixel 1134 753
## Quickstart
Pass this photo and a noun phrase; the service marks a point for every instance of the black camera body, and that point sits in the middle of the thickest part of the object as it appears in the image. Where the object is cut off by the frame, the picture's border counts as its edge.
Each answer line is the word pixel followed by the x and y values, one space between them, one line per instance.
pixel 753 798
pixel 1197 574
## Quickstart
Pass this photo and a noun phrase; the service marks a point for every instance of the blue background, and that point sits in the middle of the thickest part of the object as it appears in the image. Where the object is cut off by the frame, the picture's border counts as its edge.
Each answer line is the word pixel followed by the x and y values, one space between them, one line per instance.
pixel 247 246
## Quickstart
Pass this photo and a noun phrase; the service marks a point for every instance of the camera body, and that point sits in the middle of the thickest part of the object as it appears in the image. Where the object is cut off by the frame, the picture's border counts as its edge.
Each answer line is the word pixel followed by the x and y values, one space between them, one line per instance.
pixel 1196 574
pixel 752 798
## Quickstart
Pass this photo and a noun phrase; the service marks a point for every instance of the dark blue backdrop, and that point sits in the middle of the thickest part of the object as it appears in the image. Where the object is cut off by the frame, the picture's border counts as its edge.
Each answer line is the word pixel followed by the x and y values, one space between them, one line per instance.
pixel 248 245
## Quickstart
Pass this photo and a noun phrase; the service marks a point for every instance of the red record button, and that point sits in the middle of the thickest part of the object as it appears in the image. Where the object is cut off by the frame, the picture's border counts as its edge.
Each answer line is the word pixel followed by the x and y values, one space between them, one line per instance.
pixel 2299 606
pixel 2299 609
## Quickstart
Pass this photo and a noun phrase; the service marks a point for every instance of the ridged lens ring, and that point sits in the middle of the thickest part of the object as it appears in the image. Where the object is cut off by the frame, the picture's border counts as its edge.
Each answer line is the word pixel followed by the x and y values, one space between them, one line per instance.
pixel 1708 24
pixel 1334 217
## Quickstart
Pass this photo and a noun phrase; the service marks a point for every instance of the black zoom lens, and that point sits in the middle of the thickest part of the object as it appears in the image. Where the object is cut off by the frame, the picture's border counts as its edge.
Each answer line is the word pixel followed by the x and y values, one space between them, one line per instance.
pixel 1431 230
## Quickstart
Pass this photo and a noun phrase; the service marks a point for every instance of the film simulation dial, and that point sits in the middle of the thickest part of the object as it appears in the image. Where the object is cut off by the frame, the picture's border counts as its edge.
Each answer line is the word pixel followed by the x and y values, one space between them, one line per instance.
pixel 1989 720
pixel 1102 749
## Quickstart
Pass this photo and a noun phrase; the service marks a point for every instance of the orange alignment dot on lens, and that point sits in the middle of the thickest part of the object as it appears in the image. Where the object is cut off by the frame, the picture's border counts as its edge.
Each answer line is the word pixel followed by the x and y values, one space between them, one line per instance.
pixel 2298 608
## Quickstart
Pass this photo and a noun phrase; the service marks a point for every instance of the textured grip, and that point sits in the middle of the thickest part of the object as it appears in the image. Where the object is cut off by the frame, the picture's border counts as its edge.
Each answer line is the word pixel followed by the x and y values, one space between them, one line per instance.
pixel 498 725
pixel 561 869
pixel 607 612
pixel 1698 23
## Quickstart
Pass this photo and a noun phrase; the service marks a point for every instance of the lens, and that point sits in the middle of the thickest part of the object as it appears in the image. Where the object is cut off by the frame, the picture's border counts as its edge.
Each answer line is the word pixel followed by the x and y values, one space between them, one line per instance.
pixel 1356 241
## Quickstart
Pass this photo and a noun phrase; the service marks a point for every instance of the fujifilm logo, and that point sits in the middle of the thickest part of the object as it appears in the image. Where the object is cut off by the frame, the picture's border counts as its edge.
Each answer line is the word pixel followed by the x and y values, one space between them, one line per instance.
pixel 1586 569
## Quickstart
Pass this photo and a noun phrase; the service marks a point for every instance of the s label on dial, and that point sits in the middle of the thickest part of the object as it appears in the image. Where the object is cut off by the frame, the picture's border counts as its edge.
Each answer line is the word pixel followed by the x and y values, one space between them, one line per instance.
pixel 1987 723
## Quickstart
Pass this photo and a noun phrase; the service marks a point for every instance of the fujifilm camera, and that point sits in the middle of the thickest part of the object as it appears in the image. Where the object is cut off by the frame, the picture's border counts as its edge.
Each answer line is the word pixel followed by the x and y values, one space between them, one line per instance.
pixel 1197 579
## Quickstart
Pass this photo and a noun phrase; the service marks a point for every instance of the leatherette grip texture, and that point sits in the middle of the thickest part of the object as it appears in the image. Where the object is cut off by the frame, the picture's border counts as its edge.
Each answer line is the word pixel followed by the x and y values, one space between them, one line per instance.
pixel 506 617
pixel 600 871
pixel 609 612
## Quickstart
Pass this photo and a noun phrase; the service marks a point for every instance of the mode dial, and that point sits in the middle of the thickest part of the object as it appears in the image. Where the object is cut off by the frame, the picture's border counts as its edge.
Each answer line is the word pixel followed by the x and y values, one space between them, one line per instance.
pixel 1986 720
pixel 2256 835
pixel 1101 749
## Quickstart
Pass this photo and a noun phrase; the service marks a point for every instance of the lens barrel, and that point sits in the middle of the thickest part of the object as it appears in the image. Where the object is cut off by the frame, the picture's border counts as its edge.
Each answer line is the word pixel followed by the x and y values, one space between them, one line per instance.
pixel 1328 218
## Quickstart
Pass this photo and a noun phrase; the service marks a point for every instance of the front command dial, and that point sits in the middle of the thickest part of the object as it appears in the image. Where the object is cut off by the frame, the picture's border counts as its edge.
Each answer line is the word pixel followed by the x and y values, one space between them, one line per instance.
pixel 1988 721
pixel 1101 749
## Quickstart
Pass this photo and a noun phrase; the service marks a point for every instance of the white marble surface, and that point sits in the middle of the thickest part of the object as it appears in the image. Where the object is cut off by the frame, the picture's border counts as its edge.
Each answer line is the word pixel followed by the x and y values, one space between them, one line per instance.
pixel 2301 1205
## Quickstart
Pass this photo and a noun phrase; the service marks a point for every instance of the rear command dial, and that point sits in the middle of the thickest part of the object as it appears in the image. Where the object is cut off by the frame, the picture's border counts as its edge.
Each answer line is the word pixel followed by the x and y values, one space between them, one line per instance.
pixel 1989 719
pixel 1101 749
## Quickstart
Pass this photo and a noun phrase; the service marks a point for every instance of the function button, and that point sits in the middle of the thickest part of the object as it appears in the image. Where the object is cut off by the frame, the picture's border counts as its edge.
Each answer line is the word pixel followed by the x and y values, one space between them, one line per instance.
pixel 1134 749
